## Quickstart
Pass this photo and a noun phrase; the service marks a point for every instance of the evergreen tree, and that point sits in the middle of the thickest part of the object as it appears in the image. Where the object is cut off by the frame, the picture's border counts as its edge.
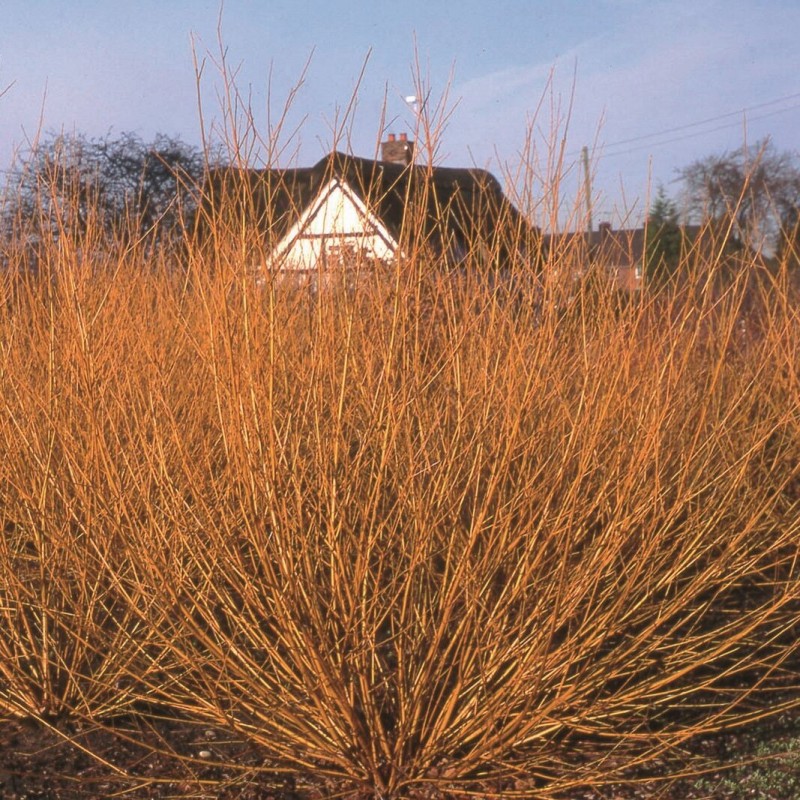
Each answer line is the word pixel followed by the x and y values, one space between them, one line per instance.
pixel 789 246
pixel 664 241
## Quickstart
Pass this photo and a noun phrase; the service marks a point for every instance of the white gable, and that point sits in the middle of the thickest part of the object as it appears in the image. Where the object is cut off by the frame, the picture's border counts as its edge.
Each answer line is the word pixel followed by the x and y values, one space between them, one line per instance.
pixel 335 226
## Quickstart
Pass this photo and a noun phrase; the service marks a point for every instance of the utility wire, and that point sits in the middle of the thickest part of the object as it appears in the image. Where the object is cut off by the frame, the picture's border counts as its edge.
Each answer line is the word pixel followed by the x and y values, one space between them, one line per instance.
pixel 708 120
pixel 689 125
pixel 726 126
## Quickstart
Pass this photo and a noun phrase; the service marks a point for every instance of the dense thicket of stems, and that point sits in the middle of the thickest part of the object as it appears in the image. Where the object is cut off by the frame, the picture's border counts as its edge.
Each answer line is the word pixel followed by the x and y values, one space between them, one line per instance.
pixel 417 529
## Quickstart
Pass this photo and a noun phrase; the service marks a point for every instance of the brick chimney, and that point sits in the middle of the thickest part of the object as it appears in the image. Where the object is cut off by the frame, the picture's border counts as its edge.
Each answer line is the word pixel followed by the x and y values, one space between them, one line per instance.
pixel 397 149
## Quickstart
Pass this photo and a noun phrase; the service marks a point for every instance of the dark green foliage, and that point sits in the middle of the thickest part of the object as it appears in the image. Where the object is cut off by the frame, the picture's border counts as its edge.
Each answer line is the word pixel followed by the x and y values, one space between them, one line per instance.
pixel 665 239
pixel 789 247
pixel 761 763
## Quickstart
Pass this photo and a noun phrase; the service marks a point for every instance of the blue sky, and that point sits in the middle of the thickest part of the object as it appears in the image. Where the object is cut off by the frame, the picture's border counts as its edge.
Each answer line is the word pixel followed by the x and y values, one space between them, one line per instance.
pixel 621 70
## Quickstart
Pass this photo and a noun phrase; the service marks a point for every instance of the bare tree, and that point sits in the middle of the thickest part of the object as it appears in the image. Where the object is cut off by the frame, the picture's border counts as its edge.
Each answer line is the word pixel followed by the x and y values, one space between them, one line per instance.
pixel 121 186
pixel 755 190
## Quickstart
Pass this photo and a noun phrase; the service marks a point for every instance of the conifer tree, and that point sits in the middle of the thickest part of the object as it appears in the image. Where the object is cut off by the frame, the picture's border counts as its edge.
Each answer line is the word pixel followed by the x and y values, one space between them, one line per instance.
pixel 664 241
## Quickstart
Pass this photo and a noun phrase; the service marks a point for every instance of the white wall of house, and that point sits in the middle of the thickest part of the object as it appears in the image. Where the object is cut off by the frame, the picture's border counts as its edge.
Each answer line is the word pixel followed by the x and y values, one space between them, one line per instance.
pixel 336 229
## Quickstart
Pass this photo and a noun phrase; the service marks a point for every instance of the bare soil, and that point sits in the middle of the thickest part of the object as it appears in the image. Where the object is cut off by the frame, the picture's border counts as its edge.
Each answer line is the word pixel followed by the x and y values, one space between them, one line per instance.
pixel 136 757
pixel 147 757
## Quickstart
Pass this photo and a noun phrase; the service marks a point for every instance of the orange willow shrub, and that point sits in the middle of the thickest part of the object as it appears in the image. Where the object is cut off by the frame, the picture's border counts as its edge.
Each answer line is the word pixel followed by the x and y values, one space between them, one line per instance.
pixel 71 376
pixel 422 531
pixel 433 536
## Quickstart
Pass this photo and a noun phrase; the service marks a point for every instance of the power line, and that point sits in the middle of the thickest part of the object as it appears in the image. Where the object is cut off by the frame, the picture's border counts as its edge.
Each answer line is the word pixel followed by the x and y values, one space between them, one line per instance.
pixel 694 135
pixel 707 121
pixel 689 125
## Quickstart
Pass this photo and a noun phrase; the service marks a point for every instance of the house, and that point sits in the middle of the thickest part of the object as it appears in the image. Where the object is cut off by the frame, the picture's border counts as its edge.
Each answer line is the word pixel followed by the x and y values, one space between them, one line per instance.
pixel 621 252
pixel 346 211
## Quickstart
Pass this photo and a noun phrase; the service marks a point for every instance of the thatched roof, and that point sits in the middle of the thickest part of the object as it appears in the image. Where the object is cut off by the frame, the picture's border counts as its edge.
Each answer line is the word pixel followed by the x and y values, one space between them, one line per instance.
pixel 445 208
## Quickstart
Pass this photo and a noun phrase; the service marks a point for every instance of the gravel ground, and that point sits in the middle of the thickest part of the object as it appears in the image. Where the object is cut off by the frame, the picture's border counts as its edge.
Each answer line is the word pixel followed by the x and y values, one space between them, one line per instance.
pixel 146 758
pixel 135 758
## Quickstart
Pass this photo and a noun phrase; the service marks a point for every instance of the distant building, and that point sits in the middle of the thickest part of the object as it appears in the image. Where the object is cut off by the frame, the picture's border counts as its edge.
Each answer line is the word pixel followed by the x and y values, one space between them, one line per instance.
pixel 621 252
pixel 347 210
